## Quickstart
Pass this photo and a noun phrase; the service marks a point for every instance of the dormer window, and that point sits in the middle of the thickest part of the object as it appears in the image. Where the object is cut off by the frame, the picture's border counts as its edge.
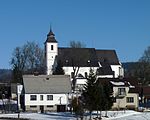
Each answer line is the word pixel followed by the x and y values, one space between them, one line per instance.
pixel 52 47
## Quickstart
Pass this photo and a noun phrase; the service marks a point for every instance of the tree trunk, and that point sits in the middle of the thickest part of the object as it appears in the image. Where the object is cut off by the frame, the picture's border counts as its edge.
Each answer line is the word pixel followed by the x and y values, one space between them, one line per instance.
pixel 106 113
pixel 100 114
pixel 90 115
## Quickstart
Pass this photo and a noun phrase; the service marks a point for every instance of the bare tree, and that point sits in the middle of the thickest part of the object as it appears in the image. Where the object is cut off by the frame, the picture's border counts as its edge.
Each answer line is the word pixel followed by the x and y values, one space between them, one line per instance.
pixel 141 69
pixel 76 44
pixel 76 58
pixel 27 59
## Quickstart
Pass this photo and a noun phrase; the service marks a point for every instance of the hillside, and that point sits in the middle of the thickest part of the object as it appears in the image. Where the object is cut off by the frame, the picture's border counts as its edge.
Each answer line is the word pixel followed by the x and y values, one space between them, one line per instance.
pixel 5 75
pixel 129 65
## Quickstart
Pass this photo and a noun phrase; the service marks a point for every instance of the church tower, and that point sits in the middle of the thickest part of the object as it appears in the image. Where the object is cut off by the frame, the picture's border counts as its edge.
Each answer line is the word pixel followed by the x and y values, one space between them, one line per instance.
pixel 51 51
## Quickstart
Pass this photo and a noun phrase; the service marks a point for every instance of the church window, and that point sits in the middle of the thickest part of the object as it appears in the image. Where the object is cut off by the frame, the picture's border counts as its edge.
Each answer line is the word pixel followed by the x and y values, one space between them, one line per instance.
pixel 52 47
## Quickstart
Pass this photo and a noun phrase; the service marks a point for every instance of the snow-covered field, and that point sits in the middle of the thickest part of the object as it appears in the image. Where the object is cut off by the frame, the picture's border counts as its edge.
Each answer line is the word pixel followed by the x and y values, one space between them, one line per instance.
pixel 112 115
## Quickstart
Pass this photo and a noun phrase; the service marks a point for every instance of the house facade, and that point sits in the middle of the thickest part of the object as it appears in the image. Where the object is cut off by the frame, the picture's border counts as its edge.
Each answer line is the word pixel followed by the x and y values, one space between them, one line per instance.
pixel 123 98
pixel 46 92
pixel 124 94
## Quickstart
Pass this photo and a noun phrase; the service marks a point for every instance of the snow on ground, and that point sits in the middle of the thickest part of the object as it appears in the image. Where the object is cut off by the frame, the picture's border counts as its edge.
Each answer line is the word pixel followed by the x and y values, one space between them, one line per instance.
pixel 6 101
pixel 39 116
pixel 112 115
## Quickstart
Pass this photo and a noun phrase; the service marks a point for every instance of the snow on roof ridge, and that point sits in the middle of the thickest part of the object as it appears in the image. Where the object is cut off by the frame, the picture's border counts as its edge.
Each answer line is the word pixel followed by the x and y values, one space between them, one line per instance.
pixel 117 83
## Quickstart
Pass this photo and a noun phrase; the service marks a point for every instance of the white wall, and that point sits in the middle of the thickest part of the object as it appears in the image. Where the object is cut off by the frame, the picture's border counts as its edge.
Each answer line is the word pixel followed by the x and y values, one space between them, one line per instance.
pixel 50 56
pixel 118 70
pixel 82 70
pixel 57 99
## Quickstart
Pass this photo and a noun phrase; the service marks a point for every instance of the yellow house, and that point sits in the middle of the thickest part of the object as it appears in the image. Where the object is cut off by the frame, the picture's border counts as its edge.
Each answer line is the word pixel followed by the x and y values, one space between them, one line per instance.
pixel 124 98
pixel 124 94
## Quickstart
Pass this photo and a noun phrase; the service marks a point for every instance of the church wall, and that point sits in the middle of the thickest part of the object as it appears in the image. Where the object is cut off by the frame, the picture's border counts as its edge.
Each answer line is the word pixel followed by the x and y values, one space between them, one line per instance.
pixel 82 70
pixel 118 70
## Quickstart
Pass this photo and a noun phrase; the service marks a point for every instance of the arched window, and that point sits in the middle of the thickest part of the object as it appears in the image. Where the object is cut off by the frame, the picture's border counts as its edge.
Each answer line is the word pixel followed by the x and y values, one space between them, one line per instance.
pixel 52 47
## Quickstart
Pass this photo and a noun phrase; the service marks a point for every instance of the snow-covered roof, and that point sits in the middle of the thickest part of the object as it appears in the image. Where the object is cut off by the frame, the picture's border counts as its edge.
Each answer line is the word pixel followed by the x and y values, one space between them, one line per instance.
pixel 131 86
pixel 117 83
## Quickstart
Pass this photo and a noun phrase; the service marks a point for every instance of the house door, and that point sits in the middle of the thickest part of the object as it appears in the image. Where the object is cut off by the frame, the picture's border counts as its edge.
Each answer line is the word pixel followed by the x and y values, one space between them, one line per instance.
pixel 61 108
pixel 42 108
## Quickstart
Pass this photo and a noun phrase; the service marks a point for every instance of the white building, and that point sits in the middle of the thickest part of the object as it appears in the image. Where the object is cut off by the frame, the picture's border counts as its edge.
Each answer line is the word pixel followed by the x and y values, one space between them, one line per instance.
pixel 83 58
pixel 46 92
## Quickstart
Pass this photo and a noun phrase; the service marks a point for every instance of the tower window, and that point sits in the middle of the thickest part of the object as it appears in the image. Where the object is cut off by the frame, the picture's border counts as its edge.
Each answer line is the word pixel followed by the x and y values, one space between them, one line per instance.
pixel 52 47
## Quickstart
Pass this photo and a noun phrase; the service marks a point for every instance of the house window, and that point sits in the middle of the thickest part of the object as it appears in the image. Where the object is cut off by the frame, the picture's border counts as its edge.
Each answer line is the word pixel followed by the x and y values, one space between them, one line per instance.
pixel 33 106
pixel 33 97
pixel 121 91
pixel 52 47
pixel 49 97
pixel 49 106
pixel 41 97
pixel 130 99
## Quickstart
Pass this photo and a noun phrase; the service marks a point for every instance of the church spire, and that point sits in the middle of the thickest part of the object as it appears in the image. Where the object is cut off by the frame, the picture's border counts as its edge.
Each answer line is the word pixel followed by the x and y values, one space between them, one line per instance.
pixel 51 36
pixel 50 32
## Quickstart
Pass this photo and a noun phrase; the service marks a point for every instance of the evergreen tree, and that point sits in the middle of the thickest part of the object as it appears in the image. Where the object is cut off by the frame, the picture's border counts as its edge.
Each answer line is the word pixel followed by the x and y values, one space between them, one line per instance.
pixel 108 98
pixel 17 75
pixel 99 97
pixel 90 93
pixel 59 70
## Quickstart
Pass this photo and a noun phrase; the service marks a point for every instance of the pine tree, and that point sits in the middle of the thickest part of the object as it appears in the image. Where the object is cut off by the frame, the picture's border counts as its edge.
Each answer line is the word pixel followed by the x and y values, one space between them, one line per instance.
pixel 89 92
pixel 108 98
pixel 99 97
pixel 59 70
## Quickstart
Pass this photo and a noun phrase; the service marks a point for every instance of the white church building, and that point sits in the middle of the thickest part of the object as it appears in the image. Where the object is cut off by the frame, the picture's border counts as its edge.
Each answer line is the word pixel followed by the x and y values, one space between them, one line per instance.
pixel 104 62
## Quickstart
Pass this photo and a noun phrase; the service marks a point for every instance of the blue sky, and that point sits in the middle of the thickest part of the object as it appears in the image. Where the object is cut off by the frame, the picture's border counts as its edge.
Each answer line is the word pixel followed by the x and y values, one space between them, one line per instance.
pixel 123 25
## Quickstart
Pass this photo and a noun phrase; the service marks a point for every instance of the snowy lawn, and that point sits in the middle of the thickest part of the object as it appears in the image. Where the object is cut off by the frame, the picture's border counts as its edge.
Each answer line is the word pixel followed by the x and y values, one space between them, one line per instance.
pixel 112 115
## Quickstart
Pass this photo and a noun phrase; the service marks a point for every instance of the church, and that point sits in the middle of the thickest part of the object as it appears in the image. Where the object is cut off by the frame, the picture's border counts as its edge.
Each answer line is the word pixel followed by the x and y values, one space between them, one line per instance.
pixel 104 62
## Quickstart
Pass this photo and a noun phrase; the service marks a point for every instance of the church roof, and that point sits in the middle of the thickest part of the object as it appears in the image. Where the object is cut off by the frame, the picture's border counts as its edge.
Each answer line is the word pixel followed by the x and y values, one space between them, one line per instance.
pixel 108 56
pixel 86 57
pixel 105 69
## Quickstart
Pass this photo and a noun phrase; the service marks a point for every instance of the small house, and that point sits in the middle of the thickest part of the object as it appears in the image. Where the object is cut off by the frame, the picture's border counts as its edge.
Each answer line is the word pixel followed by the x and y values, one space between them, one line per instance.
pixel 46 92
